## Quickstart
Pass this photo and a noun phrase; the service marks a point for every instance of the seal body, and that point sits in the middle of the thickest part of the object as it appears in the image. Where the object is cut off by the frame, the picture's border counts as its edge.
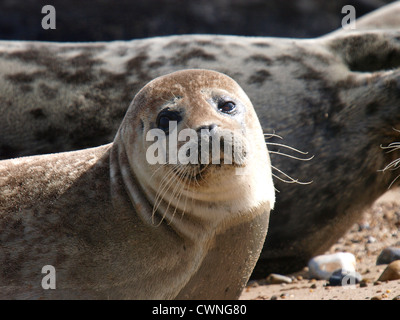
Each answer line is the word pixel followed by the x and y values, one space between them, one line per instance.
pixel 116 226
pixel 334 97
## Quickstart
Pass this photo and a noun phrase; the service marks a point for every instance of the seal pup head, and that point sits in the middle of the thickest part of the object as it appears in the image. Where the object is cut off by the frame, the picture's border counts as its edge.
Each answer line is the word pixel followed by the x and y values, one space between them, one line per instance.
pixel 168 148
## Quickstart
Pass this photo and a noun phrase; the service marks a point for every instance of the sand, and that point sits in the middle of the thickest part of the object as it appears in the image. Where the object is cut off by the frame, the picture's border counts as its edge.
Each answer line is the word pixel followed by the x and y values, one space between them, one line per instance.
pixel 378 229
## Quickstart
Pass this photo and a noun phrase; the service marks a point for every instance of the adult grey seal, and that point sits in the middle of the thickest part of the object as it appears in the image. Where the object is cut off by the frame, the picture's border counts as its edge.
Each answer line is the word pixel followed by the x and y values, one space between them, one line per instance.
pixel 115 226
pixel 335 97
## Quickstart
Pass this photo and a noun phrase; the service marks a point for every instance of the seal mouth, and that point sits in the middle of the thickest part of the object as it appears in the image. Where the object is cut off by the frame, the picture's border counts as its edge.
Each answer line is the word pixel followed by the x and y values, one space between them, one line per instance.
pixel 191 172
pixel 198 172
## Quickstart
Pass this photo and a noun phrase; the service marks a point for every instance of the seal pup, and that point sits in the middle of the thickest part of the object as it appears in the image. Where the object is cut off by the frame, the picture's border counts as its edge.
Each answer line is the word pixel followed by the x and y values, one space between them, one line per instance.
pixel 115 226
pixel 333 97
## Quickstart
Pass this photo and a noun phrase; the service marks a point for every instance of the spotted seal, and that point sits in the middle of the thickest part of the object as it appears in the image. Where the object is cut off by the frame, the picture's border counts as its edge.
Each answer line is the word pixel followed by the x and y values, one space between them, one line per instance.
pixel 116 226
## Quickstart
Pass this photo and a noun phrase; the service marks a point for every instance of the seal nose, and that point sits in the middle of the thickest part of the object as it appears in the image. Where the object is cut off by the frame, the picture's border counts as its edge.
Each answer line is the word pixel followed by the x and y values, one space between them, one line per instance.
pixel 207 127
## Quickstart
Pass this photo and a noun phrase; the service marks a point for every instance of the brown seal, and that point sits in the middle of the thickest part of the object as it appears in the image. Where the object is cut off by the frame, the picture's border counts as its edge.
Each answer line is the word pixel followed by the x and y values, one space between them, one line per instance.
pixel 116 226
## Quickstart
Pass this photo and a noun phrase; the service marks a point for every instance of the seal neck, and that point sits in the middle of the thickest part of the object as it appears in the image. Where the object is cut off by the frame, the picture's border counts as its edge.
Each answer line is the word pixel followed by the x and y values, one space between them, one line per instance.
pixel 128 193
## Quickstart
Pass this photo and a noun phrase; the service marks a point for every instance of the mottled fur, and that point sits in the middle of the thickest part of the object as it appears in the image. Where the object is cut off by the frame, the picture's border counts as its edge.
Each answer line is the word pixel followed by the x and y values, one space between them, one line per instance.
pixel 89 213
pixel 335 97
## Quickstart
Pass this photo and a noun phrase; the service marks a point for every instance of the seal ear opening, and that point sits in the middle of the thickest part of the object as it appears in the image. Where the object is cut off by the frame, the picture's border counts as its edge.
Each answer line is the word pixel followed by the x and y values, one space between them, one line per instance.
pixel 370 51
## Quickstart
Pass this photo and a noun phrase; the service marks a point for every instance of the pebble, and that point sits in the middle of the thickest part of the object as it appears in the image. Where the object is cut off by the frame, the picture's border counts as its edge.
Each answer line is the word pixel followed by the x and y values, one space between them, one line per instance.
pixel 344 278
pixel 363 226
pixel 392 272
pixel 275 278
pixel 321 267
pixel 396 298
pixel 388 255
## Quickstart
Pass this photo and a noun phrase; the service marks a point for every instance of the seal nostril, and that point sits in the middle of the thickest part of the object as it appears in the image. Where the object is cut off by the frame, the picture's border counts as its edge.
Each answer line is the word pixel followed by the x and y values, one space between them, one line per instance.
pixel 207 127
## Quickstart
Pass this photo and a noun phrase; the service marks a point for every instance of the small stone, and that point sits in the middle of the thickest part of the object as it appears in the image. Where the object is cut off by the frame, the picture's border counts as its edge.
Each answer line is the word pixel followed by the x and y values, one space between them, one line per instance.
pixel 377 283
pixel 376 298
pixel 363 284
pixel 371 239
pixel 322 267
pixel 363 226
pixel 392 272
pixel 274 297
pixel 313 286
pixel 344 278
pixel 396 297
pixel 275 278
pixel 388 255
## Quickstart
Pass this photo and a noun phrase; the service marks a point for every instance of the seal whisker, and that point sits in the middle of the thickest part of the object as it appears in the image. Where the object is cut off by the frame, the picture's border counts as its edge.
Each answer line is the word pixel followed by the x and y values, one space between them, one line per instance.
pixel 170 183
pixel 175 192
pixel 395 164
pixel 186 178
pixel 393 181
pixel 272 135
pixel 290 156
pixel 285 146
pixel 291 180
pixel 392 166
pixel 181 176
pixel 155 171
pixel 393 146
pixel 163 184
pixel 283 180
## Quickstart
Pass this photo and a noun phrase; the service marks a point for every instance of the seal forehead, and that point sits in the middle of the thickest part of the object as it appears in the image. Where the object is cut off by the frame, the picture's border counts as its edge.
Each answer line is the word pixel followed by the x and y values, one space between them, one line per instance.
pixel 186 82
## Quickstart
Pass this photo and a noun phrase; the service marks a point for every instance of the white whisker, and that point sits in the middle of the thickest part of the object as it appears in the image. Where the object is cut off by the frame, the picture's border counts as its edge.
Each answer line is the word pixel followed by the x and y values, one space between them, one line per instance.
pixel 159 196
pixel 272 135
pixel 393 181
pixel 179 174
pixel 393 146
pixel 285 146
pixel 290 156
pixel 171 182
pixel 291 180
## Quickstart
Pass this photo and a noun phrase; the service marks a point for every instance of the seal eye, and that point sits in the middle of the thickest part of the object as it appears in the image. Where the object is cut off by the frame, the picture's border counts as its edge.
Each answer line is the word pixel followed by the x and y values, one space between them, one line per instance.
pixel 227 107
pixel 165 117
